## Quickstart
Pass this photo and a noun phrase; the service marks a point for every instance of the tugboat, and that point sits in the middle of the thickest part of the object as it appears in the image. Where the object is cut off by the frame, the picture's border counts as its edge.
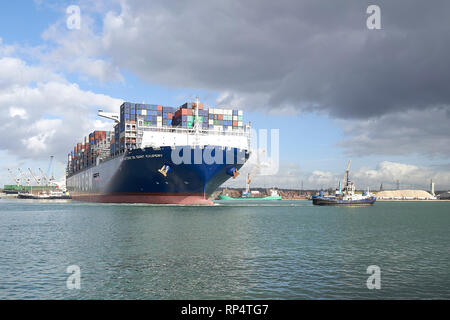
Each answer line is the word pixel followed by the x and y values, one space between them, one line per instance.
pixel 345 196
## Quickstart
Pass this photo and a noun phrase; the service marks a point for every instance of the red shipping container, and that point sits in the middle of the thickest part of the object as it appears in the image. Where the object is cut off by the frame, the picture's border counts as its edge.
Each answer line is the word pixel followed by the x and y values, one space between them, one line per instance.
pixel 159 108
pixel 220 117
pixel 200 106
pixel 235 123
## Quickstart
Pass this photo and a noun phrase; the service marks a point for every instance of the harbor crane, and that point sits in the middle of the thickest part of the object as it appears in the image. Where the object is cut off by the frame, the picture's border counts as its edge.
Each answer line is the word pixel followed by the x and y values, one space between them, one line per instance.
pixel 50 167
pixel 251 174
pixel 44 178
pixel 38 181
pixel 249 178
pixel 62 185
pixel 25 178
pixel 16 180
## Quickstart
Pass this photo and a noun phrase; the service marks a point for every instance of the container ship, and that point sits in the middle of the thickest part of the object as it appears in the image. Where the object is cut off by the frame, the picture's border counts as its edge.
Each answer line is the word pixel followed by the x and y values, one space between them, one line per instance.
pixel 159 155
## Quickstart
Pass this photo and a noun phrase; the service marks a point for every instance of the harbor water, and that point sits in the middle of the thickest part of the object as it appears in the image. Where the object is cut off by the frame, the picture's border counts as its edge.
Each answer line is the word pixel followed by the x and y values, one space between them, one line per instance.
pixel 272 250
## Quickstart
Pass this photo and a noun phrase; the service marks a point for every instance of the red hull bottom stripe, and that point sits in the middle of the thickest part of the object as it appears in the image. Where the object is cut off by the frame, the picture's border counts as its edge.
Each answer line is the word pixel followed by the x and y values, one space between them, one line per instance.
pixel 190 199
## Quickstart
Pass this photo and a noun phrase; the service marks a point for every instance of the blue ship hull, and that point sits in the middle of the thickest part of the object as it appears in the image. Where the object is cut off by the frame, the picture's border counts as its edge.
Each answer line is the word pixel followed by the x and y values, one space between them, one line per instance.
pixel 136 177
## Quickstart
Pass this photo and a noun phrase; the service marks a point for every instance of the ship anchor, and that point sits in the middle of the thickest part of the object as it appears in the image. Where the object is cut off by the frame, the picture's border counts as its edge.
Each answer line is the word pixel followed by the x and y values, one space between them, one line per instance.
pixel 164 170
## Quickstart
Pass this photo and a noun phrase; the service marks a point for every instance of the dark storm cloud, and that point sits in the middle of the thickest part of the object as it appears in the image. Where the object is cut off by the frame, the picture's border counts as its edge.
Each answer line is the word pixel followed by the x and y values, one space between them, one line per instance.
pixel 308 55
pixel 414 131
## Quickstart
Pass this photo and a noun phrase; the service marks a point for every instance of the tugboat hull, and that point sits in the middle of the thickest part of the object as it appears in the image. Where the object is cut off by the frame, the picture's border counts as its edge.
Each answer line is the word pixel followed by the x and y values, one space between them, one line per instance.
pixel 323 201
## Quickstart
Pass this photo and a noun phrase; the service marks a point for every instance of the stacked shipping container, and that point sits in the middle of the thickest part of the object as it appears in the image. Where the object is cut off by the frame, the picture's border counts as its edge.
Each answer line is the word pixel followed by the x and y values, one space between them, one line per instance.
pixel 216 119
pixel 95 147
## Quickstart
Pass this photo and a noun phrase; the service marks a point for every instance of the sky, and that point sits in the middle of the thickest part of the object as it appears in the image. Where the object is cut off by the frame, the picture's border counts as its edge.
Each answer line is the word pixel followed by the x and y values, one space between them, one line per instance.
pixel 334 88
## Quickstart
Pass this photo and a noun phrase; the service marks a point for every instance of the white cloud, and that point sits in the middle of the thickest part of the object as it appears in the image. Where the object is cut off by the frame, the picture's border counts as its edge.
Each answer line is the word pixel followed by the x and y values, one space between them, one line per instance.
pixel 17 112
pixel 322 179
pixel 15 73
pixel 6 50
pixel 45 114
pixel 78 52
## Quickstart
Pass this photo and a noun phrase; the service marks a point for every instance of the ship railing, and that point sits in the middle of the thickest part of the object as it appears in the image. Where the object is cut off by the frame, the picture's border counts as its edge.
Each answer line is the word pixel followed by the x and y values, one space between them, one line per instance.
pixel 241 132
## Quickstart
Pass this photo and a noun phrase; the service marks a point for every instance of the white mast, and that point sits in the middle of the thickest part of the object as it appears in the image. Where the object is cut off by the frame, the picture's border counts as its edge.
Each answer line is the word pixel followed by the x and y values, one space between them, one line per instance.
pixel 346 178
pixel 197 120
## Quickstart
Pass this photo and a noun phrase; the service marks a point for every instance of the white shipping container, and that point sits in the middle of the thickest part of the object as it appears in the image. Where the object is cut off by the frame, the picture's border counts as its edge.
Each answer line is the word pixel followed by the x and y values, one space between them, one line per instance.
pixel 144 112
pixel 240 113
pixel 159 118
pixel 211 121
pixel 239 123
pixel 235 118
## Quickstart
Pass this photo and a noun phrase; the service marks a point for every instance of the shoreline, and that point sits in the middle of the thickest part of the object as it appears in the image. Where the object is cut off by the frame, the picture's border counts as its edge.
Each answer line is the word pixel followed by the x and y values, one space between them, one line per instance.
pixel 381 200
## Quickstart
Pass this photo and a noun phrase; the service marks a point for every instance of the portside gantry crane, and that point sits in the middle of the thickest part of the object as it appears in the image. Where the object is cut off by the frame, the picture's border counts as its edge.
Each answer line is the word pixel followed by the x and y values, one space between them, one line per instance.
pixel 38 181
pixel 16 180
pixel 25 178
